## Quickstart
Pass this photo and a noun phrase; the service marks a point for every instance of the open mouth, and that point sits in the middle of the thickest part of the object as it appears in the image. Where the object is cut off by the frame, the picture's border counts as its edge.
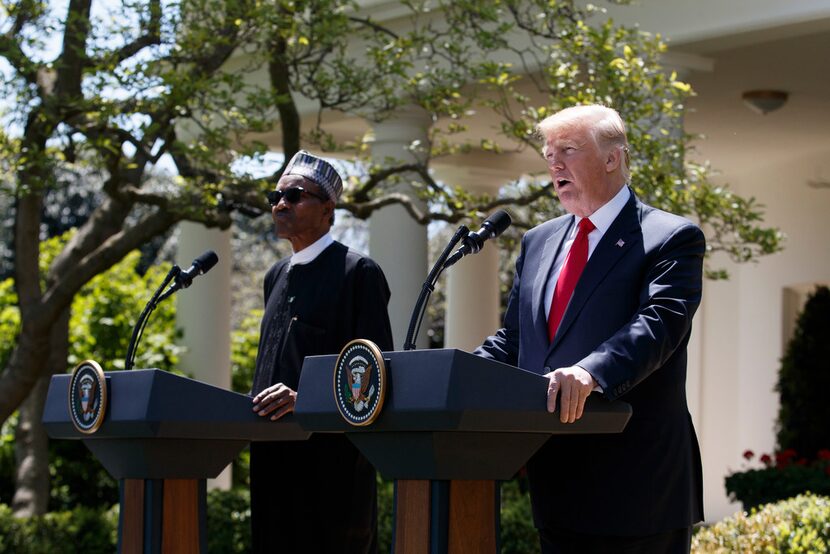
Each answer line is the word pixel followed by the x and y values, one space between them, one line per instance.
pixel 562 182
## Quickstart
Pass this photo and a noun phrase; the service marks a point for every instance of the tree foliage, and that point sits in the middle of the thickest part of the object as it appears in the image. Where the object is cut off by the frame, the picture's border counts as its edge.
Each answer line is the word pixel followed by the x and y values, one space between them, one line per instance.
pixel 804 376
pixel 568 61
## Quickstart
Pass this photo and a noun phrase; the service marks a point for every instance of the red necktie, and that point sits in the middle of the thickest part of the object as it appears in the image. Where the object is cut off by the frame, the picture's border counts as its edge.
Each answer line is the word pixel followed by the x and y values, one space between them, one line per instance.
pixel 569 276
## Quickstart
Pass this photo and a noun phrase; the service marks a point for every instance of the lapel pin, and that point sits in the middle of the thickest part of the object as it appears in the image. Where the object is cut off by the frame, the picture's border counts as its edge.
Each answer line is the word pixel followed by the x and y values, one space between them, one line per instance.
pixel 621 243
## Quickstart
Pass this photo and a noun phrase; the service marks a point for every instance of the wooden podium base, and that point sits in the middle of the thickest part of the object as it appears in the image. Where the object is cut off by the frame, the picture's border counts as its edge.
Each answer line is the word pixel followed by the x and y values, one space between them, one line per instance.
pixel 162 515
pixel 452 517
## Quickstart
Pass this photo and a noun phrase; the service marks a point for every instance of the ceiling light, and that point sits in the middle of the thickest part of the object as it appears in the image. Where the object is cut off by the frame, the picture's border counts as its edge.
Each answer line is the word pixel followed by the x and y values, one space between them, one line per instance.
pixel 764 101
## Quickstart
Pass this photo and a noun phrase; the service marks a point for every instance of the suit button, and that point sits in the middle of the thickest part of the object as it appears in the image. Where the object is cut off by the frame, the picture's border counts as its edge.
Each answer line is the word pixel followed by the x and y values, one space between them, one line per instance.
pixel 546 370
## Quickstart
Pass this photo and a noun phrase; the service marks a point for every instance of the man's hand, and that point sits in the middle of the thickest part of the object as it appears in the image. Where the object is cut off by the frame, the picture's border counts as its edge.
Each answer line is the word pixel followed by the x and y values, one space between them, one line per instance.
pixel 277 400
pixel 573 385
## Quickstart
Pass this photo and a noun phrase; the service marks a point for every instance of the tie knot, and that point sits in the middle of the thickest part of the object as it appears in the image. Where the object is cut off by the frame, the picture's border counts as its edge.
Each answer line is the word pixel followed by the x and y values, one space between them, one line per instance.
pixel 586 226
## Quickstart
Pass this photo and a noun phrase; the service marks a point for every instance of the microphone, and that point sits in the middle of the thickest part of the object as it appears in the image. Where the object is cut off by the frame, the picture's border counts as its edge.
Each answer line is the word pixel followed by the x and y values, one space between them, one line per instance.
pixel 492 227
pixel 200 266
pixel 183 279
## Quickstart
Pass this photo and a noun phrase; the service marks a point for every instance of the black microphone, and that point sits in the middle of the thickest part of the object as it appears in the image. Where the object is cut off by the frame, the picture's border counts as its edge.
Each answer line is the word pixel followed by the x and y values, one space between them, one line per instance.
pixel 200 266
pixel 492 227
pixel 183 279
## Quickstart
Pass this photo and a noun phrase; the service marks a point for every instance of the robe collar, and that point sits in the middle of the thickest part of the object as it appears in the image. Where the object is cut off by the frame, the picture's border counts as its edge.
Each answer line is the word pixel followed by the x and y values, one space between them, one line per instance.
pixel 310 253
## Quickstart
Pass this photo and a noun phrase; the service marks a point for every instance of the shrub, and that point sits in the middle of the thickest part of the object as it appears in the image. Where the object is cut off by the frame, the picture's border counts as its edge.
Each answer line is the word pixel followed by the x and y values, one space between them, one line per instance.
pixel 228 521
pixel 804 378
pixel 244 346
pixel 386 509
pixel 81 530
pixel 517 533
pixel 77 478
pixel 782 476
pixel 800 524
pixel 93 531
pixel 7 458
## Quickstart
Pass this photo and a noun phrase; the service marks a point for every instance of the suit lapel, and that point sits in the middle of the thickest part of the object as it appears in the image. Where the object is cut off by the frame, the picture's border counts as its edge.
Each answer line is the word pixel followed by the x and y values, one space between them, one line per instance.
pixel 614 245
pixel 552 246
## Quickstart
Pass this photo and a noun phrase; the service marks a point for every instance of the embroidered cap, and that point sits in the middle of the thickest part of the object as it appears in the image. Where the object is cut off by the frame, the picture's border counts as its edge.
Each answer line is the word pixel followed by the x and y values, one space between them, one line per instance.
pixel 318 170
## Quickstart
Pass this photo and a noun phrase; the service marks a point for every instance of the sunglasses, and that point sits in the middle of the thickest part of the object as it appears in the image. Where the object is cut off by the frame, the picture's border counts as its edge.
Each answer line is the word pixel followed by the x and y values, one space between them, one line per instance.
pixel 292 195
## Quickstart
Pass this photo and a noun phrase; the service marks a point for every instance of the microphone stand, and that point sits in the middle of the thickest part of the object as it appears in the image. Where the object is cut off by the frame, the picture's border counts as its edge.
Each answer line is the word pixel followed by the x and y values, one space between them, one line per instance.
pixel 428 287
pixel 138 330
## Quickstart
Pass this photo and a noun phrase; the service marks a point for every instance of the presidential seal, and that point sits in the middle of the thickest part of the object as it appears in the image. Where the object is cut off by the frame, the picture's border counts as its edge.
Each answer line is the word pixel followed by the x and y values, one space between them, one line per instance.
pixel 87 397
pixel 360 382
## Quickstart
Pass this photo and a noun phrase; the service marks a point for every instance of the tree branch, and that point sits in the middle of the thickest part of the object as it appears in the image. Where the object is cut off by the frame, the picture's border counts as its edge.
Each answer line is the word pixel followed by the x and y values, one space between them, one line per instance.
pixel 152 36
pixel 372 25
pixel 377 177
pixel 110 252
pixel 280 77
pixel 105 221
pixel 73 59
pixel 363 210
pixel 25 12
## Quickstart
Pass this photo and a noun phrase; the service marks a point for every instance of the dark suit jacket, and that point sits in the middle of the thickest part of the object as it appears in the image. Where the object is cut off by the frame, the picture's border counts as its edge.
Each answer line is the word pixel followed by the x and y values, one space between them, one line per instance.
pixel 628 324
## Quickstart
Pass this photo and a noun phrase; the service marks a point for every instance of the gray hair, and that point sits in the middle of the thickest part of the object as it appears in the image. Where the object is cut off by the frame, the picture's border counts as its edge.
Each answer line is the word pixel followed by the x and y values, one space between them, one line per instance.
pixel 607 128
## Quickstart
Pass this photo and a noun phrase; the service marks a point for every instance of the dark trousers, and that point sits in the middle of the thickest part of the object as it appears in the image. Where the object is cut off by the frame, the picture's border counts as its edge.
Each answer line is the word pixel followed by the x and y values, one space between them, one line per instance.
pixel 564 542
pixel 312 497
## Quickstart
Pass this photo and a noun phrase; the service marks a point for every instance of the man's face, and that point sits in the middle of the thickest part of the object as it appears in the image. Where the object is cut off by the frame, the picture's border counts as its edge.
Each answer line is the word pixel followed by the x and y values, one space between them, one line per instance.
pixel 579 168
pixel 306 220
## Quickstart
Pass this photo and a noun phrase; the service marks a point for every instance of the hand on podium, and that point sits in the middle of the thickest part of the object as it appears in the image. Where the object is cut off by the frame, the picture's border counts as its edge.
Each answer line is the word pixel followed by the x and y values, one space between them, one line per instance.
pixel 276 400
pixel 572 385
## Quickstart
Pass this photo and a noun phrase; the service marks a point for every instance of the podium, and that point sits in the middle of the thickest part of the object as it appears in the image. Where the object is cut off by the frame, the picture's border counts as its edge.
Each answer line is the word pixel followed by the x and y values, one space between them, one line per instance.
pixel 162 436
pixel 452 423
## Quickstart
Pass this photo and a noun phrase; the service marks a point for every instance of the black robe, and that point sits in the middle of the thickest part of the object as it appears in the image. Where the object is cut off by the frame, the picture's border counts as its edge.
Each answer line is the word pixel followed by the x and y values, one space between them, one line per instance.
pixel 316 495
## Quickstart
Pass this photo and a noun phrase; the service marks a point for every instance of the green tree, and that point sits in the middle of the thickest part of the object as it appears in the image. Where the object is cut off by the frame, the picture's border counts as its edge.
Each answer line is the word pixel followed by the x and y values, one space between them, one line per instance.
pixel 804 375
pixel 126 89
pixel 99 329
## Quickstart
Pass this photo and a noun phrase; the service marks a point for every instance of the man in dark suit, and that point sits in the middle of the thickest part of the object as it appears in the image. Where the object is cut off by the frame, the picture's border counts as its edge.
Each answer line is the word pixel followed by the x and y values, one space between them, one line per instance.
pixel 602 300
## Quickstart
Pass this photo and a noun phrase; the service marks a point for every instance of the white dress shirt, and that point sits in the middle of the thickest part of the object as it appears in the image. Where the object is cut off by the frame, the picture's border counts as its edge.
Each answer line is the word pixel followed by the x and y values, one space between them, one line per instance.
pixel 602 220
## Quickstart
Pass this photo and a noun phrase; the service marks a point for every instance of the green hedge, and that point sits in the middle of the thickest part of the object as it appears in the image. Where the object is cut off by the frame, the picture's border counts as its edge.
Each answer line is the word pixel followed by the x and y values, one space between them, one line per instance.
pixel 797 525
pixel 229 521
pixel 80 530
pixel 94 531
pixel 518 535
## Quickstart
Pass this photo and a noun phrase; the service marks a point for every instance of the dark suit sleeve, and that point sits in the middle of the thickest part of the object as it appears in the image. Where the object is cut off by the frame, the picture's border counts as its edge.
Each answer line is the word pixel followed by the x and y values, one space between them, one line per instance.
pixel 669 296
pixel 372 297
pixel 504 345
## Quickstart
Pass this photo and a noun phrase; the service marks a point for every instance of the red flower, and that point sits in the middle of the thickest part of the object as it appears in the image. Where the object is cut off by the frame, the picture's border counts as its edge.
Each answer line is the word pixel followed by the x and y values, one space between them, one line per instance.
pixel 785 456
pixel 823 454
pixel 801 462
pixel 748 454
pixel 766 459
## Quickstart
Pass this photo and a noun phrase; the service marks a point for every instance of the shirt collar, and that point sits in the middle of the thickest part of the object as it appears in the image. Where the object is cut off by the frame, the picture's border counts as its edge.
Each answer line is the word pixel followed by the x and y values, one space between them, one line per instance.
pixel 605 216
pixel 310 253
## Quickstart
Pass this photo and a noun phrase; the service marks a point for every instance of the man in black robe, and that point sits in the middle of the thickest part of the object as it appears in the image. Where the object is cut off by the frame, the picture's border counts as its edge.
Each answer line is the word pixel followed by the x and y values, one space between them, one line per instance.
pixel 317 495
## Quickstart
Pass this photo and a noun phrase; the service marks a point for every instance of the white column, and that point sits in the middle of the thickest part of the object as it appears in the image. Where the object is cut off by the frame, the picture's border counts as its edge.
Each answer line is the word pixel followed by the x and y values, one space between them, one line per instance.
pixel 473 307
pixel 396 241
pixel 203 311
